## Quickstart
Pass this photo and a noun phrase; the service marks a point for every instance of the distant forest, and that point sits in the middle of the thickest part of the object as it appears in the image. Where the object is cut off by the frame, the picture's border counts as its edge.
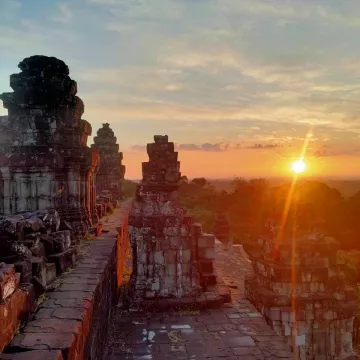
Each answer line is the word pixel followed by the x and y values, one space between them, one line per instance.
pixel 247 203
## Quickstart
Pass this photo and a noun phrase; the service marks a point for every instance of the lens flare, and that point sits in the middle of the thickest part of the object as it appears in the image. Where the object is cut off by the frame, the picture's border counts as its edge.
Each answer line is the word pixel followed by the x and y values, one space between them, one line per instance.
pixel 298 166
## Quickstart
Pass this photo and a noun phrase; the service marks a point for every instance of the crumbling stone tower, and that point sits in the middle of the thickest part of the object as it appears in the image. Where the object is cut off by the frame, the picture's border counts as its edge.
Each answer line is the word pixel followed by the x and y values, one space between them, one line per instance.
pixel 173 258
pixel 111 172
pixel 159 230
pixel 44 161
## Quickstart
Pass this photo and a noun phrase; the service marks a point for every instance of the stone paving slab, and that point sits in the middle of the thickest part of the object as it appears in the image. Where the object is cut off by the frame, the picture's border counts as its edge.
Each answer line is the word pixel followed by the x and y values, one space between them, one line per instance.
pixel 236 331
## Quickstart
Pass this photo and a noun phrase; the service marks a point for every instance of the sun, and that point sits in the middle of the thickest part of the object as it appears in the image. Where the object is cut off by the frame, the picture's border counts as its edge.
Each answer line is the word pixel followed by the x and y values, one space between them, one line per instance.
pixel 298 166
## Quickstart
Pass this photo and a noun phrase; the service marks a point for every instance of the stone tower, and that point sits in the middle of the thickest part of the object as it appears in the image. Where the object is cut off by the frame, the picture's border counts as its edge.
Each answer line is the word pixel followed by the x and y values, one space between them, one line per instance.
pixel 45 162
pixel 160 233
pixel 111 172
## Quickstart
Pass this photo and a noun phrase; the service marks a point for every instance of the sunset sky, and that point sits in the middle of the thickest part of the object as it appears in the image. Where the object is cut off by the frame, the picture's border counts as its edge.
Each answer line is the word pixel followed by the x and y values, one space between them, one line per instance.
pixel 236 84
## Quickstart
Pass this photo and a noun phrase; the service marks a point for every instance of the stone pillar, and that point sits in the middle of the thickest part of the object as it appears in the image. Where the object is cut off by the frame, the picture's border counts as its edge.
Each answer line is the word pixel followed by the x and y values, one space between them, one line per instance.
pixel 299 287
pixel 159 231
pixel 111 171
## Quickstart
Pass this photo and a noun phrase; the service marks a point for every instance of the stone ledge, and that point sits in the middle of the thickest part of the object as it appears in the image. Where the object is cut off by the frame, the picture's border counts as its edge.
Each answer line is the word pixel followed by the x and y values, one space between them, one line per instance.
pixel 72 322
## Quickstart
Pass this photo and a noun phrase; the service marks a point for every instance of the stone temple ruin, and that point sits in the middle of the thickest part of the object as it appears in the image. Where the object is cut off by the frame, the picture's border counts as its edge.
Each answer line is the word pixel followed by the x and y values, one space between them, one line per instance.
pixel 300 289
pixel 111 172
pixel 173 258
pixel 48 195
pixel 45 162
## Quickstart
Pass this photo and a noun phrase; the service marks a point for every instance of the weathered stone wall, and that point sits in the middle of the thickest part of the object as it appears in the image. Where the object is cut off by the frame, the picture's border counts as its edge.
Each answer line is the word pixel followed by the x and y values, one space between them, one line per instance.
pixel 300 289
pixel 72 323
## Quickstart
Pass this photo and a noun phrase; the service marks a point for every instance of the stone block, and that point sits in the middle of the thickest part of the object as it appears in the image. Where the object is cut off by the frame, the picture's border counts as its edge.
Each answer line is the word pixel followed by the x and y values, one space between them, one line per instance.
pixel 186 281
pixel 164 244
pixel 172 231
pixel 206 266
pixel 142 257
pixel 186 256
pixel 169 282
pixel 171 270
pixel 8 280
pixel 155 285
pixel 170 257
pixel 175 242
pixel 187 242
pixel 186 269
pixel 39 270
pixel 273 314
pixel 196 229
pixel 159 258
pixel 62 240
pixel 213 300
pixel 63 260
pixel 207 253
pixel 224 292
pixel 207 279
pixel 50 272
pixel 206 241
pixel 25 269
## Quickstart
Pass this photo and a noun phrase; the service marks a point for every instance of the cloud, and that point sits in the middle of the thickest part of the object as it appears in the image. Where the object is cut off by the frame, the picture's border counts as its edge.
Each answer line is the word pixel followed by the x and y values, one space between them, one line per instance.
pixel 264 146
pixel 246 72
pixel 139 148
pixel 216 147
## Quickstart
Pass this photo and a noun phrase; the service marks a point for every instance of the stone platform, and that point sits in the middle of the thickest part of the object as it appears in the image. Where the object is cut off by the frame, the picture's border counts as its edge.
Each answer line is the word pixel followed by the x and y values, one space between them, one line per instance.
pixel 236 331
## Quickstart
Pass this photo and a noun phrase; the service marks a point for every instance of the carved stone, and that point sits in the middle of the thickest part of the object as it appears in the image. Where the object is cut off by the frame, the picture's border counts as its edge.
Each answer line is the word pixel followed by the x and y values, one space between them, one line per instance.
pixel 44 161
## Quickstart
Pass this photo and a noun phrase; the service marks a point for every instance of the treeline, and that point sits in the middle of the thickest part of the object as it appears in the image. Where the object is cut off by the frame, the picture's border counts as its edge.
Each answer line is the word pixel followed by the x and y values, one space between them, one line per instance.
pixel 251 202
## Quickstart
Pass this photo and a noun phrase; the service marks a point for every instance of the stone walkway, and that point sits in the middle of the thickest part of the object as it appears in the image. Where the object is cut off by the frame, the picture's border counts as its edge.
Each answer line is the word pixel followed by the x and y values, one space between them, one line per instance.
pixel 236 331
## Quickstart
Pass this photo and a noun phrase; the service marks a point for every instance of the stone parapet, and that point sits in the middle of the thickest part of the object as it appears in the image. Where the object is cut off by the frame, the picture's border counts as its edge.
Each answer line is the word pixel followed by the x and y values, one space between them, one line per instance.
pixel 298 286
pixel 72 323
